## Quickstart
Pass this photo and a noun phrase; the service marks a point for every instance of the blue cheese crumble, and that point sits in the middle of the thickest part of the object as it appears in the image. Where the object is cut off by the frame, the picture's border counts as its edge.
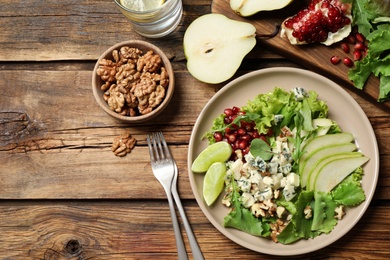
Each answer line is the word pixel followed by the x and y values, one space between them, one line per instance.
pixel 299 93
pixel 262 182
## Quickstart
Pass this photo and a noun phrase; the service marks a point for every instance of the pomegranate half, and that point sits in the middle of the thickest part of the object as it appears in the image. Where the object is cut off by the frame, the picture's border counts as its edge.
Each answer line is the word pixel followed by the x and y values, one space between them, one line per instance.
pixel 324 21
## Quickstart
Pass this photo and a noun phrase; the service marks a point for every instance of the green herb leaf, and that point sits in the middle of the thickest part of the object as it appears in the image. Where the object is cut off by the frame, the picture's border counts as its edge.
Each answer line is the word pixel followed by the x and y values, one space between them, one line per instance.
pixel 260 148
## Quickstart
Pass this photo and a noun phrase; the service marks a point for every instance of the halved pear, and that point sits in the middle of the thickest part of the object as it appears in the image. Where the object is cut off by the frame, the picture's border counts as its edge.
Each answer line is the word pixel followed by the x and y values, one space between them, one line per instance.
pixel 312 179
pixel 335 171
pixel 215 46
pixel 250 7
pixel 312 159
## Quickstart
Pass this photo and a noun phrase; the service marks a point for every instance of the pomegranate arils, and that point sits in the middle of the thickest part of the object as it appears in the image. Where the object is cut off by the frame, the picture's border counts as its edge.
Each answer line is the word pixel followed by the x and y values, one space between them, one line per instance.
pixel 335 60
pixel 313 23
pixel 360 37
pixel 357 55
pixel 351 39
pixel 360 46
pixel 348 62
pixel 345 47
pixel 239 135
pixel 218 136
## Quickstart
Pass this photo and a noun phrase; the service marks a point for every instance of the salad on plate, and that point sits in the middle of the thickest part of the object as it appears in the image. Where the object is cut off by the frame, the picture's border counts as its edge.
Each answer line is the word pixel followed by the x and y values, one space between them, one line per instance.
pixel 287 171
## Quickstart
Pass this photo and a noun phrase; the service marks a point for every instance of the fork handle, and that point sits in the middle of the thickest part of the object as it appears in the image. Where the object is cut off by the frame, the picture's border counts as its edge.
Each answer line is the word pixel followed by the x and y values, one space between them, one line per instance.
pixel 196 252
pixel 181 249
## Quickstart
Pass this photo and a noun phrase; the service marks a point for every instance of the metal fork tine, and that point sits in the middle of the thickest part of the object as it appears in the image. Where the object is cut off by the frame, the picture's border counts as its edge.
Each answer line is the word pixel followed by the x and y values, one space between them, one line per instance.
pixel 155 148
pixel 152 158
pixel 164 143
pixel 160 149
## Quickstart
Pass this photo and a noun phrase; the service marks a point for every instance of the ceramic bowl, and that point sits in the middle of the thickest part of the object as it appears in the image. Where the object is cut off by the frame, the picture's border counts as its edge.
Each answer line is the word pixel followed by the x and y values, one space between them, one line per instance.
pixel 97 82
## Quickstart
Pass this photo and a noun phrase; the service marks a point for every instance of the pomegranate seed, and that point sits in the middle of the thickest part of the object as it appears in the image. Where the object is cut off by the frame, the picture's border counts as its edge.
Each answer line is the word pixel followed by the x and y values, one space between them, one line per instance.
pixel 218 136
pixel 360 46
pixel 335 60
pixel 345 47
pixel 232 138
pixel 246 150
pixel 357 55
pixel 236 110
pixel 360 37
pixel 242 145
pixel 228 112
pixel 348 62
pixel 241 131
pixel 227 120
pixel 255 134
pixel 234 127
pixel 351 39
pixel 247 138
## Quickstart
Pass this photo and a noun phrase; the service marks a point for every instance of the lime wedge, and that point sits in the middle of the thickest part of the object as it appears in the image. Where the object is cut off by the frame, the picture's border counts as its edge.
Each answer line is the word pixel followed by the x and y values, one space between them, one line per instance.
pixel 213 182
pixel 217 152
pixel 142 5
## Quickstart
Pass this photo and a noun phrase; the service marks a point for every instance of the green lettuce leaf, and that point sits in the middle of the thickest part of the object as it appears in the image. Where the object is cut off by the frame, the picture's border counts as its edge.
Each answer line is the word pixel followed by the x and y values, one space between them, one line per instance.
pixel 218 123
pixel 350 192
pixel 372 17
pixel 267 106
pixel 299 227
pixel 323 212
pixel 242 219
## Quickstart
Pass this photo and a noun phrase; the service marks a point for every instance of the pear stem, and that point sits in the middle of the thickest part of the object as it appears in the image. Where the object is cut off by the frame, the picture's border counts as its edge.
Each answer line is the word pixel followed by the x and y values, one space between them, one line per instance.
pixel 273 34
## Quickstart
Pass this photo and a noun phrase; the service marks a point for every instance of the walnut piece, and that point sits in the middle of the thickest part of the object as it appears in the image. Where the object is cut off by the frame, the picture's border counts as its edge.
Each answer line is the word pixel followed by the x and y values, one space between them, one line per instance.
pixel 134 83
pixel 123 145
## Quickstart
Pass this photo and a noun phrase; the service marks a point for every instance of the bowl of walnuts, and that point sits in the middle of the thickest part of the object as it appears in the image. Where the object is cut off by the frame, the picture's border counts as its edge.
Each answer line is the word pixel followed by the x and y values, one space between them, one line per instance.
pixel 133 81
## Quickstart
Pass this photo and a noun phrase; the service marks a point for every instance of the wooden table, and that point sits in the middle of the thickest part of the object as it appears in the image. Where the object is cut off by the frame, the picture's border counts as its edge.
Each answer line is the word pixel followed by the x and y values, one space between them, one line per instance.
pixel 64 195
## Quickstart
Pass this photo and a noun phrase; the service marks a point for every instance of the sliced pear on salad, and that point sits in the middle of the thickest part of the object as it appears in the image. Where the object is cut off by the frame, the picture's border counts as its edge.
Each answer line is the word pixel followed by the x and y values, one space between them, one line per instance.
pixel 335 171
pixel 322 125
pixel 319 142
pixel 312 178
pixel 312 159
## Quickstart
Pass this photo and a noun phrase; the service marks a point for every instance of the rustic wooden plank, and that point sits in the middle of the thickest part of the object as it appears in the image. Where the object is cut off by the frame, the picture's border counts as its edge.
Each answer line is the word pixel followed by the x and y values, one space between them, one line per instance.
pixel 143 230
pixel 55 141
pixel 315 57
pixel 74 30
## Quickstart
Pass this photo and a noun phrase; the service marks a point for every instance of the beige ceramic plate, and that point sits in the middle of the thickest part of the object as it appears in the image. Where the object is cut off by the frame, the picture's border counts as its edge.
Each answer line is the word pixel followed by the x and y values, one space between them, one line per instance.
pixel 342 108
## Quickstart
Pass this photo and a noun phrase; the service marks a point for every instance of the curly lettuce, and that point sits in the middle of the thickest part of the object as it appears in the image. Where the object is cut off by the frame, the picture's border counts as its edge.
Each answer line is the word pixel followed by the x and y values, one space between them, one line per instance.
pixel 372 18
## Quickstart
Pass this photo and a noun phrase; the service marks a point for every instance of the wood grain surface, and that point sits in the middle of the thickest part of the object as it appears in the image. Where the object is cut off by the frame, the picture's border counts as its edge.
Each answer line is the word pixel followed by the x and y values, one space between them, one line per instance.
pixel 315 57
pixel 63 193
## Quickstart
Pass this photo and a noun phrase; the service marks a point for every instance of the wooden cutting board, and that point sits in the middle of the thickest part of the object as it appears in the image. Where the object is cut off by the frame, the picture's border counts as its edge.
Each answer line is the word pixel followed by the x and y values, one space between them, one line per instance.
pixel 314 57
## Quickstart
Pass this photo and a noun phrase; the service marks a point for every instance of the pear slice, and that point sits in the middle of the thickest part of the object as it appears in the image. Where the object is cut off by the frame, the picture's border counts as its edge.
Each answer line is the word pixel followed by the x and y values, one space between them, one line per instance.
pixel 312 178
pixel 323 125
pixel 335 171
pixel 319 142
pixel 250 7
pixel 312 159
pixel 215 46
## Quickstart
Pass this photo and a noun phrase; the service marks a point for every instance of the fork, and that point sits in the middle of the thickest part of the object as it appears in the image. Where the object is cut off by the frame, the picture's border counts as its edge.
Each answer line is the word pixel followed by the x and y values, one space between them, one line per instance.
pixel 196 252
pixel 164 171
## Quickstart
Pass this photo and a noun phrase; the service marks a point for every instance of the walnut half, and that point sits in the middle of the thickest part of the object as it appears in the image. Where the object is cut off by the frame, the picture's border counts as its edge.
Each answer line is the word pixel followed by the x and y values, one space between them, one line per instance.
pixel 123 145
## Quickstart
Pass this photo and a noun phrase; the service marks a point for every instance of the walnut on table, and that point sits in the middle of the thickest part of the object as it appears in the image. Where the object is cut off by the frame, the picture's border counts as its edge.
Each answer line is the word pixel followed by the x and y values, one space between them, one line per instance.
pixel 123 145
pixel 135 83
